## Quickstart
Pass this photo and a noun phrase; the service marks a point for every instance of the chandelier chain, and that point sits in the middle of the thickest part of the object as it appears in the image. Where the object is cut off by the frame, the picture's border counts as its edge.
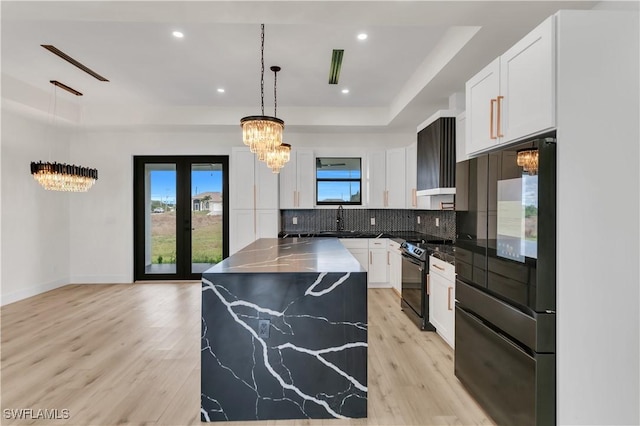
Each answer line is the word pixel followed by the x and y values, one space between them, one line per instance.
pixel 262 67
pixel 275 93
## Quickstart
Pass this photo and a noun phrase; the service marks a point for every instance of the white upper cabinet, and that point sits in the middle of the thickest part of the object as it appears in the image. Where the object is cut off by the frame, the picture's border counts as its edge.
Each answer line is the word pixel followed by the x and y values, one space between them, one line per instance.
pixel 411 176
pixel 461 134
pixel 527 84
pixel 481 93
pixel 297 181
pixel 514 96
pixel 253 185
pixel 242 182
pixel 377 179
pixel 395 178
pixel 386 178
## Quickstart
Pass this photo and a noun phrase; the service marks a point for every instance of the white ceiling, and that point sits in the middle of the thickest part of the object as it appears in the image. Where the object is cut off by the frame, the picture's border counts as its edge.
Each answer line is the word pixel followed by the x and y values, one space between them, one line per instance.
pixel 417 54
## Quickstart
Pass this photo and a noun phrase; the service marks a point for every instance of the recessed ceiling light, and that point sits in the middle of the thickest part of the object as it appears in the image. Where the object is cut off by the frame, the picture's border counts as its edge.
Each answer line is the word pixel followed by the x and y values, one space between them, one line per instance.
pixel 345 91
pixel 178 34
pixel 221 90
pixel 362 36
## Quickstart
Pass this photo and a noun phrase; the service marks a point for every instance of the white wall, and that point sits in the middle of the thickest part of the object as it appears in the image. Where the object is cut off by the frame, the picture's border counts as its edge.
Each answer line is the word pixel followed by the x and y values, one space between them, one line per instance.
pixel 35 222
pixel 598 322
pixel 101 235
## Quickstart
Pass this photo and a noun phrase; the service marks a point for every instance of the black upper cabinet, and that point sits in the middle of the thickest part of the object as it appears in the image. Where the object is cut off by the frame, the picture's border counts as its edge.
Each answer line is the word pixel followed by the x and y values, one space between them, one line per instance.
pixel 437 155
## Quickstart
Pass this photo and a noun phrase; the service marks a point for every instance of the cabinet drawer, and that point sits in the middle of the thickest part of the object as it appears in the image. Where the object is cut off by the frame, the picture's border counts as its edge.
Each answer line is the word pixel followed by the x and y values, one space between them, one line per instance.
pixel 441 267
pixel 378 243
pixel 350 243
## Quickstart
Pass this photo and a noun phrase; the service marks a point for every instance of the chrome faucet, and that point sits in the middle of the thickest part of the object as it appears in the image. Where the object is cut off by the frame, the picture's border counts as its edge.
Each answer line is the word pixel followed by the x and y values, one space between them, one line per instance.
pixel 340 219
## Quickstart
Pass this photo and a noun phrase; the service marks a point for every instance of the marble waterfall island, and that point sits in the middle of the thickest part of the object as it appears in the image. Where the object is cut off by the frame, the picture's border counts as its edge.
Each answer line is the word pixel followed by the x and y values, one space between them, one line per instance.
pixel 284 333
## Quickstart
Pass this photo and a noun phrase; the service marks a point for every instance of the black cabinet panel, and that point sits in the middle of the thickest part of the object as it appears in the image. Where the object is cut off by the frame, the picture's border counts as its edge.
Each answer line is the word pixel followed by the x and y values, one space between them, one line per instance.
pixel 437 155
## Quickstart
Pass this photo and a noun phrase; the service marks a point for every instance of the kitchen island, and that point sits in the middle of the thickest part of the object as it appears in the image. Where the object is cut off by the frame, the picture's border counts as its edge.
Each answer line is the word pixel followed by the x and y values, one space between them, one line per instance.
pixel 284 333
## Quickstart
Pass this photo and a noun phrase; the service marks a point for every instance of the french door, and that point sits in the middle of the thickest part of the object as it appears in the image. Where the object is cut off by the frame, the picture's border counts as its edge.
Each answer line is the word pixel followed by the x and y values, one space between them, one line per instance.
pixel 181 215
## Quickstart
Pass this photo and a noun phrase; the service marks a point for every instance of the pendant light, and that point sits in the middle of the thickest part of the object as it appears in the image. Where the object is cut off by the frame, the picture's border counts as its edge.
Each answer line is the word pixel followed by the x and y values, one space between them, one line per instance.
pixel 262 133
pixel 55 176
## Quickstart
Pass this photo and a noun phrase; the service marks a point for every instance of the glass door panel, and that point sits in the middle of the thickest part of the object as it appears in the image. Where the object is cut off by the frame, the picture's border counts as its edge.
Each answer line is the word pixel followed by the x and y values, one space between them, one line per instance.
pixel 160 218
pixel 206 216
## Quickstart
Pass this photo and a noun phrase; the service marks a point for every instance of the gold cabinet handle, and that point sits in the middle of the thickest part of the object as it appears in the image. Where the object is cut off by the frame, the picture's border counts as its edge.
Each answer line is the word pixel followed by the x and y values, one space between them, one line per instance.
pixel 491 133
pixel 414 198
pixel 428 284
pixel 388 261
pixel 449 290
pixel 438 267
pixel 370 259
pixel 499 126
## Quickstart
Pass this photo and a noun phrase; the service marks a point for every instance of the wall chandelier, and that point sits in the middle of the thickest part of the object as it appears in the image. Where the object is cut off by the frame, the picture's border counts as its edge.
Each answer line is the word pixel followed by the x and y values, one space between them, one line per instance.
pixel 528 159
pixel 55 176
pixel 263 133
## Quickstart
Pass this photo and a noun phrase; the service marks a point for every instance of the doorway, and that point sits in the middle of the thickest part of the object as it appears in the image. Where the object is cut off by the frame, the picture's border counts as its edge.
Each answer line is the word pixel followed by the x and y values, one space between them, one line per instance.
pixel 181 215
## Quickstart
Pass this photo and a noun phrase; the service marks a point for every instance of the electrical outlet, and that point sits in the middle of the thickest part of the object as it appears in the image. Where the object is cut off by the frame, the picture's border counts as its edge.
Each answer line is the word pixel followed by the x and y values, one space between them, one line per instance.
pixel 418 220
pixel 437 221
pixel 263 328
pixel 373 221
pixel 295 220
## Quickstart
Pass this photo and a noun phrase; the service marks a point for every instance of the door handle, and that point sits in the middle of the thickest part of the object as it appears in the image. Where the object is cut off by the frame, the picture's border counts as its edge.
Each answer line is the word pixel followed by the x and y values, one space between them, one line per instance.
pixel 388 262
pixel 499 125
pixel 491 133
pixel 370 259
pixel 449 298
pixel 428 284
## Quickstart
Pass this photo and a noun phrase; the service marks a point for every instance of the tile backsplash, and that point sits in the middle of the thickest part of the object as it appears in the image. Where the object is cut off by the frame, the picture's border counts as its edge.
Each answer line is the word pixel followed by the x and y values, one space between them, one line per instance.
pixel 386 220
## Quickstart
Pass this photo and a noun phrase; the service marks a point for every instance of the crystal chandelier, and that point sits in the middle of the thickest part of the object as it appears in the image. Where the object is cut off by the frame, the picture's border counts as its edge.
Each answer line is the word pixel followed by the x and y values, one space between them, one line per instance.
pixel 263 133
pixel 277 158
pixel 54 176
pixel 63 177
pixel 528 159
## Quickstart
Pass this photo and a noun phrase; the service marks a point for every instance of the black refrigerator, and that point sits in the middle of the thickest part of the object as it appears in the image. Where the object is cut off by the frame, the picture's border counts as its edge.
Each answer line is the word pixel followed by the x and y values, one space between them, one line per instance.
pixel 505 253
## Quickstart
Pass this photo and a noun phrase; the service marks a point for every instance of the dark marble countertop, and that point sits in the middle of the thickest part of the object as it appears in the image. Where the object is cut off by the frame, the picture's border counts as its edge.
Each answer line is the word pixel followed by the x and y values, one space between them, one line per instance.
pixel 290 255
pixel 411 236
pixel 444 252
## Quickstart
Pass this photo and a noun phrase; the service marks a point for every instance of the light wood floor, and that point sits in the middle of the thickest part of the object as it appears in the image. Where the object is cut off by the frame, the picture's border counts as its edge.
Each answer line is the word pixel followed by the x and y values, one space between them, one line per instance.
pixel 130 354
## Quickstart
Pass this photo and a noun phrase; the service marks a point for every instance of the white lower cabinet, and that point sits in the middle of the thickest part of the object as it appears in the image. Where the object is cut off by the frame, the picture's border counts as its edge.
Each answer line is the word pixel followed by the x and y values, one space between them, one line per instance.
pixel 442 298
pixel 372 255
pixel 395 265
pixel 378 268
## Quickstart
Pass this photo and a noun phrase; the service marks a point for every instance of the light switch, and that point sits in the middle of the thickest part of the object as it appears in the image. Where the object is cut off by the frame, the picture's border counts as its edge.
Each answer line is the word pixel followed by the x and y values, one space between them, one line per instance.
pixel 418 220
pixel 295 220
pixel 437 221
pixel 373 221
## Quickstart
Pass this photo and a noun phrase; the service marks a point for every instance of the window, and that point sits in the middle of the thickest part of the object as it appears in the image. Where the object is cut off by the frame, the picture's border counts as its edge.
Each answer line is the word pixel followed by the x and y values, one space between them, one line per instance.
pixel 338 181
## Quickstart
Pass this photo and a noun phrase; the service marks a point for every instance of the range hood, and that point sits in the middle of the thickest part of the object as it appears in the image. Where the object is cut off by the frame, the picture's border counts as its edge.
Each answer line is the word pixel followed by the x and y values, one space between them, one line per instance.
pixel 437 156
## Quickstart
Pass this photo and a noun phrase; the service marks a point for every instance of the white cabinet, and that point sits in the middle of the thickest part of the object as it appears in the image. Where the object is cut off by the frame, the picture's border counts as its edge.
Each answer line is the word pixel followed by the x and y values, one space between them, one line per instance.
pixel 481 92
pixel 254 200
pixel 386 178
pixel 461 143
pixel 297 181
pixel 442 298
pixel 394 261
pixel 514 96
pixel 395 178
pixel 411 176
pixel 373 256
pixel 378 268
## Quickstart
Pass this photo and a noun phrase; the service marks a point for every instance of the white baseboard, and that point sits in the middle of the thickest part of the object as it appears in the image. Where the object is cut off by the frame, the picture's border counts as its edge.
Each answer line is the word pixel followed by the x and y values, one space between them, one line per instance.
pixel 101 279
pixel 378 285
pixel 34 290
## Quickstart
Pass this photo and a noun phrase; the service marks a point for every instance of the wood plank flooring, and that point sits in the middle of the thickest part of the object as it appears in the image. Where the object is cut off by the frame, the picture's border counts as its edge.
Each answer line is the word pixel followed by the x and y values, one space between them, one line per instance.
pixel 130 355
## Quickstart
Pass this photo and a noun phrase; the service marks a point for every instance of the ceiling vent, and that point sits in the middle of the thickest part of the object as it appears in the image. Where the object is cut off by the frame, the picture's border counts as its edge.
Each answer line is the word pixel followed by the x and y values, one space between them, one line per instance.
pixel 72 61
pixel 65 87
pixel 336 64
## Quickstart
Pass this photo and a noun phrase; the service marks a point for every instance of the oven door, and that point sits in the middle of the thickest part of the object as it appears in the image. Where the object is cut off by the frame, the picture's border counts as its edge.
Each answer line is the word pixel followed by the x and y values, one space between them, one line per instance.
pixel 414 299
